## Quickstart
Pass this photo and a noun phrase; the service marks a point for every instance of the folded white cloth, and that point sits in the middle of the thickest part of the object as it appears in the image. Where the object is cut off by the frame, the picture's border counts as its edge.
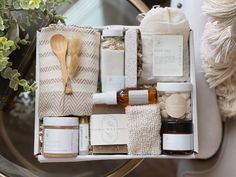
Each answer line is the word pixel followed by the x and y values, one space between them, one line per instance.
pixel 52 100
pixel 144 124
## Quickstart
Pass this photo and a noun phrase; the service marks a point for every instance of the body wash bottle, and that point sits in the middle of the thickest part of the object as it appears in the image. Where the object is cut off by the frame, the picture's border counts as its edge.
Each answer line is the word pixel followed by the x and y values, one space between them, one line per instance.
pixel 127 97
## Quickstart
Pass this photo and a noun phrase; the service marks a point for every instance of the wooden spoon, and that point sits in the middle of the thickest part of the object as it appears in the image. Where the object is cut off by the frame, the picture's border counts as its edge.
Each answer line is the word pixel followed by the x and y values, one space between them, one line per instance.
pixel 59 47
pixel 74 50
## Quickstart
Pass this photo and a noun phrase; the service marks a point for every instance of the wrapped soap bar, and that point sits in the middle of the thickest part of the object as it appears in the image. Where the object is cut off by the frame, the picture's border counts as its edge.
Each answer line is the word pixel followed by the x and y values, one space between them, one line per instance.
pixel 131 52
pixel 108 129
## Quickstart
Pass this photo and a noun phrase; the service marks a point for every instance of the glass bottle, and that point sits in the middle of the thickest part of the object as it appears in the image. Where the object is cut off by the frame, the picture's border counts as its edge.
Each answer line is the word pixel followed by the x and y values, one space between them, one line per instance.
pixel 127 96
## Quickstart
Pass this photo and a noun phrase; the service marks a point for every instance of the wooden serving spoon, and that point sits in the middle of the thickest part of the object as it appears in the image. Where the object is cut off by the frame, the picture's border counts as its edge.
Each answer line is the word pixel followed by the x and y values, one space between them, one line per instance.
pixel 59 46
pixel 74 50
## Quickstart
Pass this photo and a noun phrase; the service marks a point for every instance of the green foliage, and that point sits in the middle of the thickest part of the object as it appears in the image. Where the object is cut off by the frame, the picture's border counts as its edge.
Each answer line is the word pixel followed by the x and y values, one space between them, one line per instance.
pixel 33 11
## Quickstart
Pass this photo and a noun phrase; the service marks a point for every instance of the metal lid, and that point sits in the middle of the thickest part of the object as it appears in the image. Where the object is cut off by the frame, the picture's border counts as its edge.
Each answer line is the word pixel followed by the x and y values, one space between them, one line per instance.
pixel 177 126
pixel 60 121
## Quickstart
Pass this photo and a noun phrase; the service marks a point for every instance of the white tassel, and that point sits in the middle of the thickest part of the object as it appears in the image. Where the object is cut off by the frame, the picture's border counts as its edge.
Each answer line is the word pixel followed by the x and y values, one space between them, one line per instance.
pixel 226 93
pixel 221 10
pixel 218 53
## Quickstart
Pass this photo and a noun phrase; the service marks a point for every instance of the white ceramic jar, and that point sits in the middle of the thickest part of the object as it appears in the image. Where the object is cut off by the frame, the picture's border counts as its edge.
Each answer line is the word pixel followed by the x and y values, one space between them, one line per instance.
pixel 60 137
pixel 175 100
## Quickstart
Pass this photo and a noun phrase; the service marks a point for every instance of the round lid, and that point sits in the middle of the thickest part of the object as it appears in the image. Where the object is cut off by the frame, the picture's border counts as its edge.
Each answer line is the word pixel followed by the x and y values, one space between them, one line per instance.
pixel 174 87
pixel 105 98
pixel 60 121
pixel 177 126
pixel 112 32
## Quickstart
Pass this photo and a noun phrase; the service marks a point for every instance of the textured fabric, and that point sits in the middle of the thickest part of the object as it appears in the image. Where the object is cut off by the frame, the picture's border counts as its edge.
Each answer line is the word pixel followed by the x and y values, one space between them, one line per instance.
pixel 52 100
pixel 131 52
pixel 163 21
pixel 219 51
pixel 144 123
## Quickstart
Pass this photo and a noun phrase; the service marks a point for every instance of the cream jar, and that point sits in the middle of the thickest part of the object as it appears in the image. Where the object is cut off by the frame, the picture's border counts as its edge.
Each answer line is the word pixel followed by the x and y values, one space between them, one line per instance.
pixel 177 137
pixel 60 137
pixel 175 100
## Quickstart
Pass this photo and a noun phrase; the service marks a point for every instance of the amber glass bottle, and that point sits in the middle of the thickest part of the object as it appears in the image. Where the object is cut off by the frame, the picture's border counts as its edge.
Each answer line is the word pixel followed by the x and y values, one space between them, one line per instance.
pixel 127 97
pixel 136 97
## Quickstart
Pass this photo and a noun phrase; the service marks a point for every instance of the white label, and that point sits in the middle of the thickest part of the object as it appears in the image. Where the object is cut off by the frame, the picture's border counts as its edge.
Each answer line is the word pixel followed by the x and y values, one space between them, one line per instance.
pixel 112 64
pixel 83 137
pixel 114 83
pixel 109 129
pixel 179 142
pixel 176 105
pixel 137 97
pixel 168 55
pixel 60 140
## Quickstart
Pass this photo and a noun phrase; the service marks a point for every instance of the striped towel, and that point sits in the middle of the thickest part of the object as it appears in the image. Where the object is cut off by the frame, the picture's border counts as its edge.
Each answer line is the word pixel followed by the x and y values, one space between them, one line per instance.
pixel 52 100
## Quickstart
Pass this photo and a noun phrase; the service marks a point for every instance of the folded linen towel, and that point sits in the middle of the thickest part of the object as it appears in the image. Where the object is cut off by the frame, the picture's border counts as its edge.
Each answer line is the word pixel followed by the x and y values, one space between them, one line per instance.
pixel 52 100
pixel 144 123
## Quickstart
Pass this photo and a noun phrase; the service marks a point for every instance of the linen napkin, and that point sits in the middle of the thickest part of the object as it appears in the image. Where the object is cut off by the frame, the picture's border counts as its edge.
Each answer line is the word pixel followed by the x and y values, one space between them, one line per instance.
pixel 52 100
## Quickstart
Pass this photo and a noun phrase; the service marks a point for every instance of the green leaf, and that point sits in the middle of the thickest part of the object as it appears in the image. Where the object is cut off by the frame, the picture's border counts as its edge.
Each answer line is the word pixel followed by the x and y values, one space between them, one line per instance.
pixel 26 88
pixel 33 87
pixel 14 84
pixel 6 73
pixel 23 82
pixel 2 27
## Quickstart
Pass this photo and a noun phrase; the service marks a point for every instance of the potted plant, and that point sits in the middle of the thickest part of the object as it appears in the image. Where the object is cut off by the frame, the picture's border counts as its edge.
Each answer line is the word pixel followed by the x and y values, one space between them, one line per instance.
pixel 16 15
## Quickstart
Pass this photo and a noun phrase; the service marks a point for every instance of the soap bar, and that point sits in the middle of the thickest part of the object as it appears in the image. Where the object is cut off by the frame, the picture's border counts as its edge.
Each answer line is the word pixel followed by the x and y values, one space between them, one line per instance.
pixel 112 70
pixel 110 149
pixel 108 129
pixel 131 52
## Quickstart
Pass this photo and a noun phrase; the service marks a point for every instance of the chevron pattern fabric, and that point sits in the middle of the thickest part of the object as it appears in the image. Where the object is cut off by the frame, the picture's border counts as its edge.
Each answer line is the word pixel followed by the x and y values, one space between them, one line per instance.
pixel 52 100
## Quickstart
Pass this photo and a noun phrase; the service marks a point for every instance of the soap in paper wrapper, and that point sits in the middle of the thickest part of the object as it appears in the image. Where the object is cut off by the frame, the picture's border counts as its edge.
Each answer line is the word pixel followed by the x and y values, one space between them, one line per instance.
pixel 110 149
pixel 131 50
pixel 108 129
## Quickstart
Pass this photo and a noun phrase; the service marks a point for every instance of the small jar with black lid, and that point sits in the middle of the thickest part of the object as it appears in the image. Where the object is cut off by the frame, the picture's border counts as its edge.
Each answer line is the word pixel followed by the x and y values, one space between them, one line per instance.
pixel 177 137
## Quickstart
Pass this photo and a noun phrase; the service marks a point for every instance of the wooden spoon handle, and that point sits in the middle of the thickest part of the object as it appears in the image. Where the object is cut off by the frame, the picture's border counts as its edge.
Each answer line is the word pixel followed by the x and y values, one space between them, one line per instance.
pixel 68 88
pixel 65 76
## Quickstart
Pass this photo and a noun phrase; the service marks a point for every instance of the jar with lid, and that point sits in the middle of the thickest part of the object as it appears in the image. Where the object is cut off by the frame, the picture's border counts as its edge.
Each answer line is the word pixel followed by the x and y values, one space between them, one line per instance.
pixel 177 137
pixel 175 100
pixel 60 137
pixel 112 60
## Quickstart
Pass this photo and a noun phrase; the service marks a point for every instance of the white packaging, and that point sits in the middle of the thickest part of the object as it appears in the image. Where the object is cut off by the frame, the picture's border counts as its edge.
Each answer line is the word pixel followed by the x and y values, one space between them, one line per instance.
pixel 131 52
pixel 108 129
pixel 79 158
pixel 112 60
pixel 83 139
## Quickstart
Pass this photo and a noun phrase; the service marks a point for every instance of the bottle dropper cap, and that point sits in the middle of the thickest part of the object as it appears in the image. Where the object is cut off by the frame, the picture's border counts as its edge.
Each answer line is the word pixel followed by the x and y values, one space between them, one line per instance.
pixel 105 98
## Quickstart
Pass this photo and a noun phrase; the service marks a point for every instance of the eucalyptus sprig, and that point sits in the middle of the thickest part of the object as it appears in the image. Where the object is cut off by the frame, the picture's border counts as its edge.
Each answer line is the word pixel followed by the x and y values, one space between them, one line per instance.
pixel 32 10
pixel 5 66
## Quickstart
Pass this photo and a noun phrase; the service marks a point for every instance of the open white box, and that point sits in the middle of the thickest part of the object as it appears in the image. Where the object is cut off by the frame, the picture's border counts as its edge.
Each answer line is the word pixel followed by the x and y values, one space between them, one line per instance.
pixel 38 122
